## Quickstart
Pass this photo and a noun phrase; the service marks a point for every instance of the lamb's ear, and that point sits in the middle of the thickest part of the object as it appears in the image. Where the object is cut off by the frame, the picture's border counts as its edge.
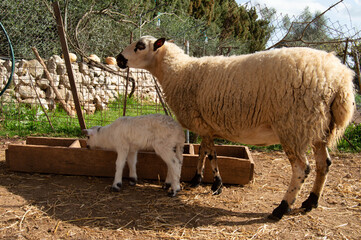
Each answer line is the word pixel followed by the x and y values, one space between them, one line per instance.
pixel 160 42
pixel 85 132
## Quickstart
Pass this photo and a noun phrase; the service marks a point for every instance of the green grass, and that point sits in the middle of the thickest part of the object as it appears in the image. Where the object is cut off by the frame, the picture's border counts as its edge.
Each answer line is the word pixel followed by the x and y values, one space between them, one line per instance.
pixel 24 120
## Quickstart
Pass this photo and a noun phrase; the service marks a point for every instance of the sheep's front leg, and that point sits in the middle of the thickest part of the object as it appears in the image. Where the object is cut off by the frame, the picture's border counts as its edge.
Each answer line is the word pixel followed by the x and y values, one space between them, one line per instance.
pixel 197 179
pixel 207 148
pixel 119 166
pixel 132 162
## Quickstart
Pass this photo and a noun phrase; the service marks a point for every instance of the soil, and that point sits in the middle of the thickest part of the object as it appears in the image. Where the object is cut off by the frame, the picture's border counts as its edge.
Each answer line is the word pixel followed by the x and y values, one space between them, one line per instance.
pixel 48 206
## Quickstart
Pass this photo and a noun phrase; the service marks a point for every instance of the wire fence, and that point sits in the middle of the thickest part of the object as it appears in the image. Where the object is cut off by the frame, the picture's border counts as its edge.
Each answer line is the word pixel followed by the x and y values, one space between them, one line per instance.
pixel 36 104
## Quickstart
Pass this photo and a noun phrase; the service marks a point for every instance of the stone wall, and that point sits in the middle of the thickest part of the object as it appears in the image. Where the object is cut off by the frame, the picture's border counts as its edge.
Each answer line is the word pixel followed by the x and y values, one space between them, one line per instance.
pixel 95 87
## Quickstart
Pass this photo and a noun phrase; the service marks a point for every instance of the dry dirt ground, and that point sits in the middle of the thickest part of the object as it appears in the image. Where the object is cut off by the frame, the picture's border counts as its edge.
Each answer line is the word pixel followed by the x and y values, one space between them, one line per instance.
pixel 47 206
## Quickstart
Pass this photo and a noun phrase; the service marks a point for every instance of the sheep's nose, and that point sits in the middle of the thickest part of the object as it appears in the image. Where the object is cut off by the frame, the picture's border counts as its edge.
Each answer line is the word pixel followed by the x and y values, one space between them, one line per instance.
pixel 122 61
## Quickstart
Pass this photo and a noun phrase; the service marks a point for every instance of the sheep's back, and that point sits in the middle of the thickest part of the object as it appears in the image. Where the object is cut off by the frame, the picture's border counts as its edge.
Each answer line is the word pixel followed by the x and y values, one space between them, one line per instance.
pixel 146 130
pixel 278 87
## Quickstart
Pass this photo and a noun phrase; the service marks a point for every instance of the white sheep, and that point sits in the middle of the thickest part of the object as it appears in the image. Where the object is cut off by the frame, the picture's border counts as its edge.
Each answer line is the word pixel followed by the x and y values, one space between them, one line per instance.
pixel 298 97
pixel 127 135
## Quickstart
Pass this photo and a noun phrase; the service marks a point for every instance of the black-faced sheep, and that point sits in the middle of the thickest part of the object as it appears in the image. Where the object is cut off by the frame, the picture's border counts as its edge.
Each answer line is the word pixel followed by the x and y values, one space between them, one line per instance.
pixel 127 135
pixel 298 97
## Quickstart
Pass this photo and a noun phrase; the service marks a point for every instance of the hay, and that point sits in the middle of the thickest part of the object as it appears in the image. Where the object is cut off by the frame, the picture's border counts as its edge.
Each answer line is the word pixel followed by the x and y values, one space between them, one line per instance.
pixel 38 206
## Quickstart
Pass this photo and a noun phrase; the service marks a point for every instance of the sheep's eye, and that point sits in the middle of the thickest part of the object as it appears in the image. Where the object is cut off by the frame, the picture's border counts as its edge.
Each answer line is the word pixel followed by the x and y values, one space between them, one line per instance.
pixel 87 137
pixel 139 46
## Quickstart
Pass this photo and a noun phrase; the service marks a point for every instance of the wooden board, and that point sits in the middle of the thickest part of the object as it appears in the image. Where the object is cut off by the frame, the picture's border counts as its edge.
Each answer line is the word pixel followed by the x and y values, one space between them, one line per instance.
pixel 71 157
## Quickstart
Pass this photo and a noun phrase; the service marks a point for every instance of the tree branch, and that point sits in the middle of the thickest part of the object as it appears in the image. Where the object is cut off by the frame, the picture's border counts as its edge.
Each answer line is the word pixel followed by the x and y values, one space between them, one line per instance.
pixel 283 40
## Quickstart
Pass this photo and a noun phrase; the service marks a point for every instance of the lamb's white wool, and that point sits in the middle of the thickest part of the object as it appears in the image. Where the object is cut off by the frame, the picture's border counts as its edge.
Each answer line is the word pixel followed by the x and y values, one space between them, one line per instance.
pixel 299 97
pixel 127 135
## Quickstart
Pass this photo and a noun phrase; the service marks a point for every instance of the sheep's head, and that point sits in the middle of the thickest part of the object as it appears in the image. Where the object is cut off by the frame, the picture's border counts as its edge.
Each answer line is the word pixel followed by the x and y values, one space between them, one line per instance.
pixel 92 140
pixel 140 54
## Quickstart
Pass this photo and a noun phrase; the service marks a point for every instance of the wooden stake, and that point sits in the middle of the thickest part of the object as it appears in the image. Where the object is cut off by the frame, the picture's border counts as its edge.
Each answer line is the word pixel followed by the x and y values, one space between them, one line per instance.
pixel 127 81
pixel 51 83
pixel 69 69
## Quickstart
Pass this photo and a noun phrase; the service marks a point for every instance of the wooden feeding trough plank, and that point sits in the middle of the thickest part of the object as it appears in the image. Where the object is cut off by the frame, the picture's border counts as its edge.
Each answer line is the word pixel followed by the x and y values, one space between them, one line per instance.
pixel 71 157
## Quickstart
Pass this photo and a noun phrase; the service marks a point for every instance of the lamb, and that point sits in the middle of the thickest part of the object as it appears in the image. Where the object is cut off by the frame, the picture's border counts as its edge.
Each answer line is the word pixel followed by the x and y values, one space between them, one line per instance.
pixel 127 135
pixel 298 97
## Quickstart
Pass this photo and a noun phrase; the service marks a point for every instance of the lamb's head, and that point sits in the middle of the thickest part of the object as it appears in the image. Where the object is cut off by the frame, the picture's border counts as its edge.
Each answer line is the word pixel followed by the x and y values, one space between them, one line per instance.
pixel 92 137
pixel 140 54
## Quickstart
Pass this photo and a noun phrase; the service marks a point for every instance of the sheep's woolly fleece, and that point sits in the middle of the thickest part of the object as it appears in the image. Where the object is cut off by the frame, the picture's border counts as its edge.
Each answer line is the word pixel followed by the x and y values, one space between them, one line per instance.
pixel 286 93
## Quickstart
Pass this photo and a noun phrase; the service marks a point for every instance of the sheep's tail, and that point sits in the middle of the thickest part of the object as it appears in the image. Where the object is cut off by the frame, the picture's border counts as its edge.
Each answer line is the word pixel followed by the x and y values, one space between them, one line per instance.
pixel 342 109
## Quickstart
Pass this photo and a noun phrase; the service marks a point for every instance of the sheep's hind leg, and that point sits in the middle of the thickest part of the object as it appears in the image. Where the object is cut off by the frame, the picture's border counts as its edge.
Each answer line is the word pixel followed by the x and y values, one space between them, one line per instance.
pixel 132 162
pixel 300 170
pixel 323 162
pixel 217 183
pixel 119 166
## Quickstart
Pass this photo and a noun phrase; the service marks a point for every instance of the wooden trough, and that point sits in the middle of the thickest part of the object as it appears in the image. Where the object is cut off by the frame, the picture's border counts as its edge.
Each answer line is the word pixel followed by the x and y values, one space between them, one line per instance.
pixel 71 157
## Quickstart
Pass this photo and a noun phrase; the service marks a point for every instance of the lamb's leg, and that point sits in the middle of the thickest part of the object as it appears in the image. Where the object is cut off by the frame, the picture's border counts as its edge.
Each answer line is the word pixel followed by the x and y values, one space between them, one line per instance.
pixel 119 166
pixel 167 182
pixel 174 167
pixel 132 162
pixel 300 170
pixel 323 162
pixel 179 157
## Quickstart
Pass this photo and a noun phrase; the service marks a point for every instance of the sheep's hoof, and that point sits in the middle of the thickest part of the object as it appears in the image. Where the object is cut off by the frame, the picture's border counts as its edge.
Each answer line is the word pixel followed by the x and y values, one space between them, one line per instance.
pixel 196 180
pixel 166 186
pixel 132 181
pixel 311 202
pixel 217 186
pixel 279 211
pixel 116 188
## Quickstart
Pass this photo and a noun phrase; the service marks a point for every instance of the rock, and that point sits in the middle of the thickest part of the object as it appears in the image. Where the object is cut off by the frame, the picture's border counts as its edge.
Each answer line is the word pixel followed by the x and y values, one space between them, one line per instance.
pixel 89 108
pixel 53 63
pixel 23 67
pixel 43 83
pixel 110 61
pixel 35 68
pixel 86 80
pixel 25 80
pixel 49 93
pixel 26 92
pixel 97 71
pixel 61 69
pixel 83 68
pixel 3 71
pixel 64 80
pixel 7 64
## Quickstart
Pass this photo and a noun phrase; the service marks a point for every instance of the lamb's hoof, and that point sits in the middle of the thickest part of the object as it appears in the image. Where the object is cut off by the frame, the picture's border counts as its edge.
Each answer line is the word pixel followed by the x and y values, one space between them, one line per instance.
pixel 311 202
pixel 116 188
pixel 279 211
pixel 173 193
pixel 196 180
pixel 166 186
pixel 132 181
pixel 217 186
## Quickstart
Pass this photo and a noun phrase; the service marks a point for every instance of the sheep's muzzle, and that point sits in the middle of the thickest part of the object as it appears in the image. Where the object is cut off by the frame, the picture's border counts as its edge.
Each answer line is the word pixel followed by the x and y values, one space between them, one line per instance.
pixel 122 61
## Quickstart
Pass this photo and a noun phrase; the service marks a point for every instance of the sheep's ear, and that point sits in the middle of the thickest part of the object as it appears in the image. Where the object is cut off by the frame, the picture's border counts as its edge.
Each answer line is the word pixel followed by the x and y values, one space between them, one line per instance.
pixel 160 42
